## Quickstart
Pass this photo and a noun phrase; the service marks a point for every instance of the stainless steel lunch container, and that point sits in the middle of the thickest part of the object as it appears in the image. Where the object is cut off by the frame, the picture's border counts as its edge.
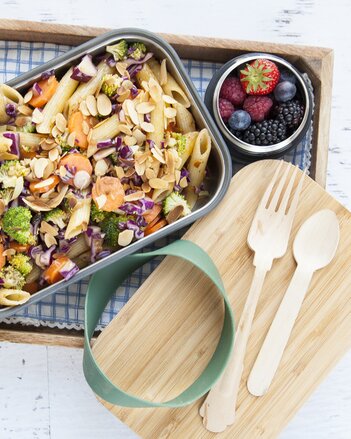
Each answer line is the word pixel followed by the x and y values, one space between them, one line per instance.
pixel 219 166
pixel 242 151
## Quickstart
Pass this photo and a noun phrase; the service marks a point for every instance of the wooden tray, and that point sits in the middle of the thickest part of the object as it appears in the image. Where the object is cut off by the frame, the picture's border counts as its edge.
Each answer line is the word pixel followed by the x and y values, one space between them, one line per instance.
pixel 318 62
pixel 164 336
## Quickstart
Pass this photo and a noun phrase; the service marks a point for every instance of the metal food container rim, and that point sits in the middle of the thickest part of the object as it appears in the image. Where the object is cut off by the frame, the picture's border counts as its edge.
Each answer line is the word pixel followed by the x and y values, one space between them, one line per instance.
pixel 71 55
pixel 243 148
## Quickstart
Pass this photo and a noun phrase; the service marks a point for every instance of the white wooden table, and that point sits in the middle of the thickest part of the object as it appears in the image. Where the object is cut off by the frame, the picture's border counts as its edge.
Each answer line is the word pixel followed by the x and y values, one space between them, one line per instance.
pixel 42 389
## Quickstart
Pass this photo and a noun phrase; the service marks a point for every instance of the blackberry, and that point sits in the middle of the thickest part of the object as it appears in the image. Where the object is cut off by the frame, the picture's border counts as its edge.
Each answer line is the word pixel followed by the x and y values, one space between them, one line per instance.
pixel 268 132
pixel 290 112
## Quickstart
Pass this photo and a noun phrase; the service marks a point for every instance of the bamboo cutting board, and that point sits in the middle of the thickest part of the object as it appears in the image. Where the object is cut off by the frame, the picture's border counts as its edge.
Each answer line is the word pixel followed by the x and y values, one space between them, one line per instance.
pixel 164 336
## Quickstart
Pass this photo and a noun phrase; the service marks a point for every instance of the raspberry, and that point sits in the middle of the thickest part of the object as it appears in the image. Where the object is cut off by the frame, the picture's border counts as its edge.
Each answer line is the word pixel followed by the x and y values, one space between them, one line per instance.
pixel 258 107
pixel 226 109
pixel 232 91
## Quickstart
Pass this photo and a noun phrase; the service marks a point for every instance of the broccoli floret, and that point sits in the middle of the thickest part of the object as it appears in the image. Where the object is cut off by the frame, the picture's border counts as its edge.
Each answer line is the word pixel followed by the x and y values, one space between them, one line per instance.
pixel 10 171
pixel 21 263
pixel 56 216
pixel 109 226
pixel 63 144
pixel 110 84
pixel 181 142
pixel 137 51
pixel 29 128
pixel 114 158
pixel 16 224
pixel 6 195
pixel 12 278
pixel 97 215
pixel 119 50
pixel 173 200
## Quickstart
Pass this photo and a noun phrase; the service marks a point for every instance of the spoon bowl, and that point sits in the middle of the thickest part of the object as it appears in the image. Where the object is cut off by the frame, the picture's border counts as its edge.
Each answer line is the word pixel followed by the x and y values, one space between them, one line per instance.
pixel 309 249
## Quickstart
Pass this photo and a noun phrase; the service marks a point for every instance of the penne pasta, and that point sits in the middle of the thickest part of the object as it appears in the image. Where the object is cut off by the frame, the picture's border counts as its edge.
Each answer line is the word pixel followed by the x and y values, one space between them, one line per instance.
pixel 145 74
pixel 30 140
pixel 172 88
pixel 78 247
pixel 64 91
pixel 107 129
pixel 184 119
pixel 160 194
pixel 13 297
pixel 88 88
pixel 8 95
pixel 197 165
pixel 79 220
pixel 189 146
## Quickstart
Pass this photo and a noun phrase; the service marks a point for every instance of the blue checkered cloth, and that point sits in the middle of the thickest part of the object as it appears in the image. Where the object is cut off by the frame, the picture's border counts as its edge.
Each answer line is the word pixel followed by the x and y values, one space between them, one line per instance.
pixel 65 309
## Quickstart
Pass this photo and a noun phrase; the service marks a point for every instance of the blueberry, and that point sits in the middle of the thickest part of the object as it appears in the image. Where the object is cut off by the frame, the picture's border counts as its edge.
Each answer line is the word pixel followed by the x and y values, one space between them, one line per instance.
pixel 285 91
pixel 239 120
pixel 287 75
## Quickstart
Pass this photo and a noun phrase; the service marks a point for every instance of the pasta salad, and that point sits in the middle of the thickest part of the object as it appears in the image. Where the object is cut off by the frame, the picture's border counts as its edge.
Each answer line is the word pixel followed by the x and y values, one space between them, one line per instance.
pixel 92 162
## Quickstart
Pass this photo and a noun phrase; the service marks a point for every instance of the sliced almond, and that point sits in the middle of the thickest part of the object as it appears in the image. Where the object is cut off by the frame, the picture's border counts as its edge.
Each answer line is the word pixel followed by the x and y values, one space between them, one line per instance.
pixel 129 172
pixel 169 100
pixel 39 167
pixel 49 240
pixel 48 144
pixel 132 112
pixel 9 252
pixel 175 214
pixel 139 136
pixel 61 122
pixel 45 227
pixel 55 132
pixel 122 97
pixel 172 142
pixel 145 107
pixel 2 207
pixel 91 105
pixel 21 121
pixel 169 178
pixel 155 90
pixel 84 109
pixel 130 140
pixel 81 179
pixel 24 109
pixel 101 167
pixel 121 68
pixel 125 130
pixel 71 139
pixel 125 237
pixel 150 173
pixel 139 168
pixel 104 153
pixel 49 169
pixel 101 200
pixel 146 187
pixel 158 183
pixel 62 171
pixel 170 112
pixel 147 127
pixel 37 116
pixel 177 175
pixel 158 155
pixel 183 182
pixel 104 105
pixel 85 127
pixel 119 172
pixel 28 96
pixel 53 154
pixel 127 84
pixel 138 195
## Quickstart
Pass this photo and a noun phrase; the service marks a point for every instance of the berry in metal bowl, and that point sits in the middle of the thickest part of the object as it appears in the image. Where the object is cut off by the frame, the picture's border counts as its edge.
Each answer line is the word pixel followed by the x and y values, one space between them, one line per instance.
pixel 261 104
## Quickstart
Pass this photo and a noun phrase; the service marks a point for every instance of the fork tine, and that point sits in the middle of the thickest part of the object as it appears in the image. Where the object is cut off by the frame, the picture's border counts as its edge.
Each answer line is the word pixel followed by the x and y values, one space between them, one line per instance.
pixel 266 195
pixel 286 196
pixel 278 191
pixel 295 200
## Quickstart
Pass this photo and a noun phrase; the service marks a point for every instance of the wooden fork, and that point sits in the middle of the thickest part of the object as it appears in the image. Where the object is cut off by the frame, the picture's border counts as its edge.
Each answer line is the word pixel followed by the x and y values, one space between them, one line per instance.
pixel 268 238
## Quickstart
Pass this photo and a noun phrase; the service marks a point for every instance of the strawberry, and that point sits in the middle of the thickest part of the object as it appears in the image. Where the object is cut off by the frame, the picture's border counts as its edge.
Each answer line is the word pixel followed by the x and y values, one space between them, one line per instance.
pixel 259 77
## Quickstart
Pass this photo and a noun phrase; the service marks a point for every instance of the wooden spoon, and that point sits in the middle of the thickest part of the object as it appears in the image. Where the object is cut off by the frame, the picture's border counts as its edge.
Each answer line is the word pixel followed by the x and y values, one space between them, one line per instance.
pixel 314 247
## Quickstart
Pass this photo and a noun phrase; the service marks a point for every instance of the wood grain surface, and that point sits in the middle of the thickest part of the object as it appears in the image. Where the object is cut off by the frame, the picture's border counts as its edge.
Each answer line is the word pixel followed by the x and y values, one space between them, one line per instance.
pixel 164 336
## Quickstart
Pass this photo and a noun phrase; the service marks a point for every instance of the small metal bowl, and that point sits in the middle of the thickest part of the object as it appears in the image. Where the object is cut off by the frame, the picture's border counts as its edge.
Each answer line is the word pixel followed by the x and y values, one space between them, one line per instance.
pixel 241 150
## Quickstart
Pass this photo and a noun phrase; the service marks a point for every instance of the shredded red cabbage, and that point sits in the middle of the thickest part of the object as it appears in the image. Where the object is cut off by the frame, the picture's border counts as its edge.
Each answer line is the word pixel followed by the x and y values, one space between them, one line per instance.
pixel 46 256
pixel 47 74
pixel 14 149
pixel 85 70
pixel 134 69
pixel 110 61
pixel 132 61
pixel 36 89
pixel 147 117
pixel 105 144
pixel 103 254
pixel 69 270
pixel 11 110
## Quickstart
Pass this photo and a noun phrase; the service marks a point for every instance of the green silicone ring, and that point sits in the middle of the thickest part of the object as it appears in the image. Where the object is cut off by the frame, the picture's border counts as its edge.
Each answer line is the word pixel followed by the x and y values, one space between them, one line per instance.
pixel 97 298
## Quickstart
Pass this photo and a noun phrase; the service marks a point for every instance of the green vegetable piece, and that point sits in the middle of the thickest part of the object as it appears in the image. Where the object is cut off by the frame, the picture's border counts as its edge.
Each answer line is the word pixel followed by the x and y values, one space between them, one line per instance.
pixel 56 216
pixel 16 224
pixel 12 278
pixel 10 171
pixel 119 50
pixel 137 51
pixel 173 200
pixel 97 215
pixel 181 142
pixel 110 84
pixel 21 262
pixel 109 226
pixel 29 128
